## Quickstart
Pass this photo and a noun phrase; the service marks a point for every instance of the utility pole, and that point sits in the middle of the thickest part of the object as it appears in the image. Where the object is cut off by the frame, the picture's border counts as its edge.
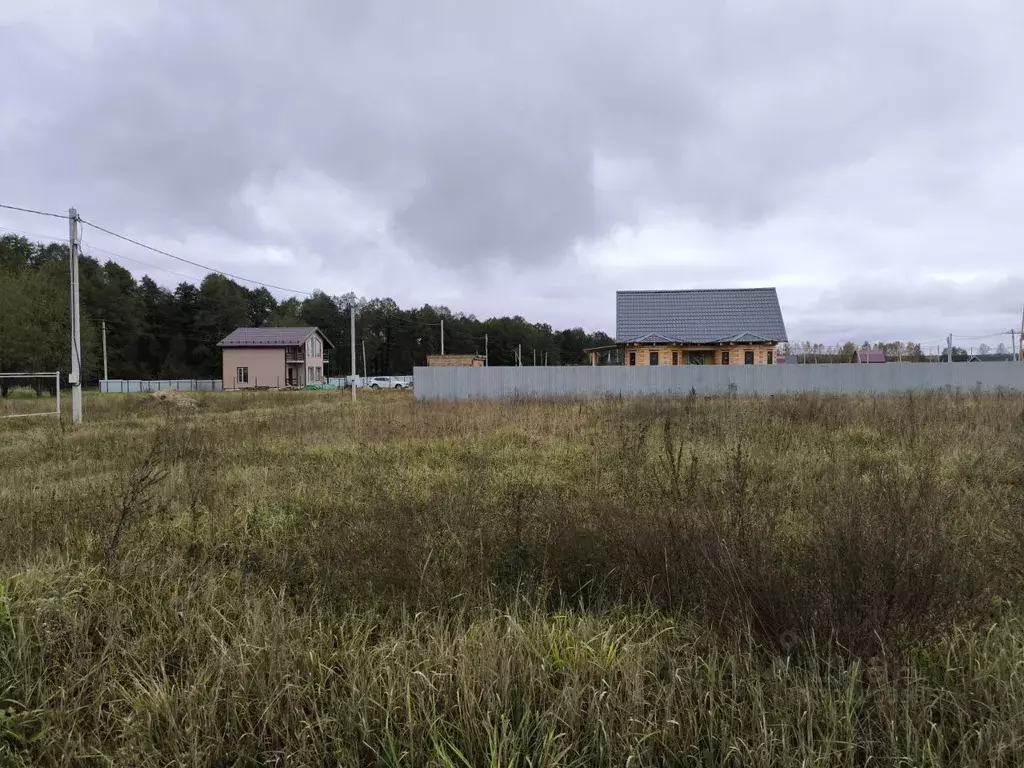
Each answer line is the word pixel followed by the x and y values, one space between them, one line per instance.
pixel 364 359
pixel 949 348
pixel 442 337
pixel 1020 338
pixel 103 324
pixel 486 357
pixel 535 357
pixel 352 313
pixel 1013 345
pixel 75 379
pixel 520 356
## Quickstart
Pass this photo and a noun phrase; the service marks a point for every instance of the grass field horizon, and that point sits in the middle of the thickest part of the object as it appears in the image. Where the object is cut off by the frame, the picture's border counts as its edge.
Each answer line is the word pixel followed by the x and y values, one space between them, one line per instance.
pixel 293 579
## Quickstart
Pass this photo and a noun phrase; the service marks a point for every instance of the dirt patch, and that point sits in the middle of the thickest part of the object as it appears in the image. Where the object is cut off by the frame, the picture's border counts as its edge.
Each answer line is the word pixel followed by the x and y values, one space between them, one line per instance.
pixel 175 398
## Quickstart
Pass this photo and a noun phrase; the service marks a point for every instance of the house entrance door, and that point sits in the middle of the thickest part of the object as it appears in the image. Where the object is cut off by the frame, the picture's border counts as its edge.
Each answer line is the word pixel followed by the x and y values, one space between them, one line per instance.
pixel 292 379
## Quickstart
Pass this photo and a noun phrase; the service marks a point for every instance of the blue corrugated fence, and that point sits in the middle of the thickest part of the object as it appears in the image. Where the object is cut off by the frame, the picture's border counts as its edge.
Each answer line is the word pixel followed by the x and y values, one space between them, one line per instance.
pixel 125 386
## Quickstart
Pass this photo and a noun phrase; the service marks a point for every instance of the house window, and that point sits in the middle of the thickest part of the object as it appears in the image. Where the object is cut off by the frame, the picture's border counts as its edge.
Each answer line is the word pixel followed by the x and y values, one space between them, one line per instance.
pixel 675 357
pixel 654 358
pixel 309 374
pixel 725 357
pixel 242 375
pixel 632 358
pixel 319 374
pixel 769 359
pixel 696 358
pixel 748 357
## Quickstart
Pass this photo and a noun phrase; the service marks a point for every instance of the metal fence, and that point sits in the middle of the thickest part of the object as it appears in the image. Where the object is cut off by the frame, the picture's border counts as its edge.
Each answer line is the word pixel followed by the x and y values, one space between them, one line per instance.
pixel 597 381
pixel 124 386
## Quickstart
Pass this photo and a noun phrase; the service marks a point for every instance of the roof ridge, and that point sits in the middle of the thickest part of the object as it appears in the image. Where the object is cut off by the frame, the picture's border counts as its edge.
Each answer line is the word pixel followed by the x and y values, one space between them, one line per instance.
pixel 695 290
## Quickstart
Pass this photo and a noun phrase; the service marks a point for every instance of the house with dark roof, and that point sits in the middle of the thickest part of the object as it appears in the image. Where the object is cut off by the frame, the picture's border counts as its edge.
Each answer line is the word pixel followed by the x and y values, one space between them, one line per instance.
pixel 725 326
pixel 869 356
pixel 274 357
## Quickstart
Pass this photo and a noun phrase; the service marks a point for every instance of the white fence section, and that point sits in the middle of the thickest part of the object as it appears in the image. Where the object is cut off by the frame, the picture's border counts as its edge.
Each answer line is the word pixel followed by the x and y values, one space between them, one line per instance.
pixel 363 381
pixel 452 383
pixel 124 386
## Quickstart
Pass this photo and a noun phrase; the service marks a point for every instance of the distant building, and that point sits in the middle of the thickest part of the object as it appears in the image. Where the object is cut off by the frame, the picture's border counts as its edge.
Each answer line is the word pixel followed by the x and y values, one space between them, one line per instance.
pixel 869 356
pixel 466 361
pixel 274 357
pixel 731 326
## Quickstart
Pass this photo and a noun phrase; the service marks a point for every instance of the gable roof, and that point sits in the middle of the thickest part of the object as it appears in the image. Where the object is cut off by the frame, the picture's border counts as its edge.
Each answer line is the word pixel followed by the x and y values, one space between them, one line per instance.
pixel 704 316
pixel 870 356
pixel 270 337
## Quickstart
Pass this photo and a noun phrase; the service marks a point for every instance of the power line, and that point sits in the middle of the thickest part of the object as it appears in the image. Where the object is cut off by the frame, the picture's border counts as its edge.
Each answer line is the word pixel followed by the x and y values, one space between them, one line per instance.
pixel 82 247
pixel 53 239
pixel 986 336
pixel 136 261
pixel 194 263
pixel 32 210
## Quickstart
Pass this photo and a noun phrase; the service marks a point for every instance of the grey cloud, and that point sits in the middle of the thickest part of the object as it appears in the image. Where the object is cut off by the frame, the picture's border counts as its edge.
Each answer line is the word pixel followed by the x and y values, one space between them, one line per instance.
pixel 484 132
pixel 477 129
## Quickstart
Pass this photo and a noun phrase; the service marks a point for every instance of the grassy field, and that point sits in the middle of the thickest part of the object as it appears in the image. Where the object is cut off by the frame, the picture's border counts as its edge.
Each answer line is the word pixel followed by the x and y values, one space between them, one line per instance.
pixel 291 579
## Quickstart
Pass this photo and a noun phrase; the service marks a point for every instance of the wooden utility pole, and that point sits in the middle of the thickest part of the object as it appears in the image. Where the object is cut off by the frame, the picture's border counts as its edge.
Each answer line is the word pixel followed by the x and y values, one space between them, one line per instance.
pixel 442 337
pixel 75 379
pixel 486 357
pixel 365 374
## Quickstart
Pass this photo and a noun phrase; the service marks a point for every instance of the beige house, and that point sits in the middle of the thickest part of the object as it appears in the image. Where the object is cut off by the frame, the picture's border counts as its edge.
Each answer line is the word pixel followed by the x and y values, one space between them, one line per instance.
pixel 730 326
pixel 274 358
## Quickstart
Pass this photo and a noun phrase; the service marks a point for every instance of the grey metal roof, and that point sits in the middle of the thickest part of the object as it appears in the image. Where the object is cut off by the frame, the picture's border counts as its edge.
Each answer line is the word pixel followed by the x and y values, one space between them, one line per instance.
pixel 270 337
pixel 871 356
pixel 700 316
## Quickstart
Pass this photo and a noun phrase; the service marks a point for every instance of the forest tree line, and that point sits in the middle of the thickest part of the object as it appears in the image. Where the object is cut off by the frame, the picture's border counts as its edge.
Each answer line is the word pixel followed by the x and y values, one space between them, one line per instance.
pixel 156 333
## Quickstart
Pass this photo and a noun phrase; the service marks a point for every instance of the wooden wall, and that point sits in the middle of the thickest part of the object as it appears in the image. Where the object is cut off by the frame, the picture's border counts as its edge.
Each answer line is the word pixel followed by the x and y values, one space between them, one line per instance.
pixel 468 361
pixel 712 355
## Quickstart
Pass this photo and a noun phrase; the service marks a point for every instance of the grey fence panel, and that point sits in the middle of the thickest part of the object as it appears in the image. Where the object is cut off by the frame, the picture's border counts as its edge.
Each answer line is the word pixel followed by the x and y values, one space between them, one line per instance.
pixel 453 383
pixel 126 386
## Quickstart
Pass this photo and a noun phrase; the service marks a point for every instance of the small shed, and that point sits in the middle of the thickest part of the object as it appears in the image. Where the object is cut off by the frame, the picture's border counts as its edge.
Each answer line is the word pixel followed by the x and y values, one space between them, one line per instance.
pixel 869 356
pixel 464 361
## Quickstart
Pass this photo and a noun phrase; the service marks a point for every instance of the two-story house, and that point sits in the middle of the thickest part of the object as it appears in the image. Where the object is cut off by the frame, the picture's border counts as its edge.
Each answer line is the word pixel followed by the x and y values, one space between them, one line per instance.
pixel 274 357
pixel 722 326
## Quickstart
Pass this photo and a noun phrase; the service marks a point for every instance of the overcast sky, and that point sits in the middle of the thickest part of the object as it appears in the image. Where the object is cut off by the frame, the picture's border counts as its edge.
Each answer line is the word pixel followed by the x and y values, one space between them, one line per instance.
pixel 531 157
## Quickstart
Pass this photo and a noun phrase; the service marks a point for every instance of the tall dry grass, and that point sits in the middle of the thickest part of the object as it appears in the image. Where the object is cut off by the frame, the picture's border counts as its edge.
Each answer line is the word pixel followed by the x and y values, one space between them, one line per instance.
pixel 287 578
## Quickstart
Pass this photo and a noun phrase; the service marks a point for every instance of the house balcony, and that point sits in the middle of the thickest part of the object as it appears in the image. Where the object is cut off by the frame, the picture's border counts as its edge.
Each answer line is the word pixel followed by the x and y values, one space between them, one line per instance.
pixel 293 355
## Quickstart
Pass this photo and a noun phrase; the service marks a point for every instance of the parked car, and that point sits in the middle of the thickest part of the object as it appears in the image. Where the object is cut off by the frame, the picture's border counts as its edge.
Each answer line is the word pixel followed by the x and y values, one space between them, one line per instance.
pixel 386 382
